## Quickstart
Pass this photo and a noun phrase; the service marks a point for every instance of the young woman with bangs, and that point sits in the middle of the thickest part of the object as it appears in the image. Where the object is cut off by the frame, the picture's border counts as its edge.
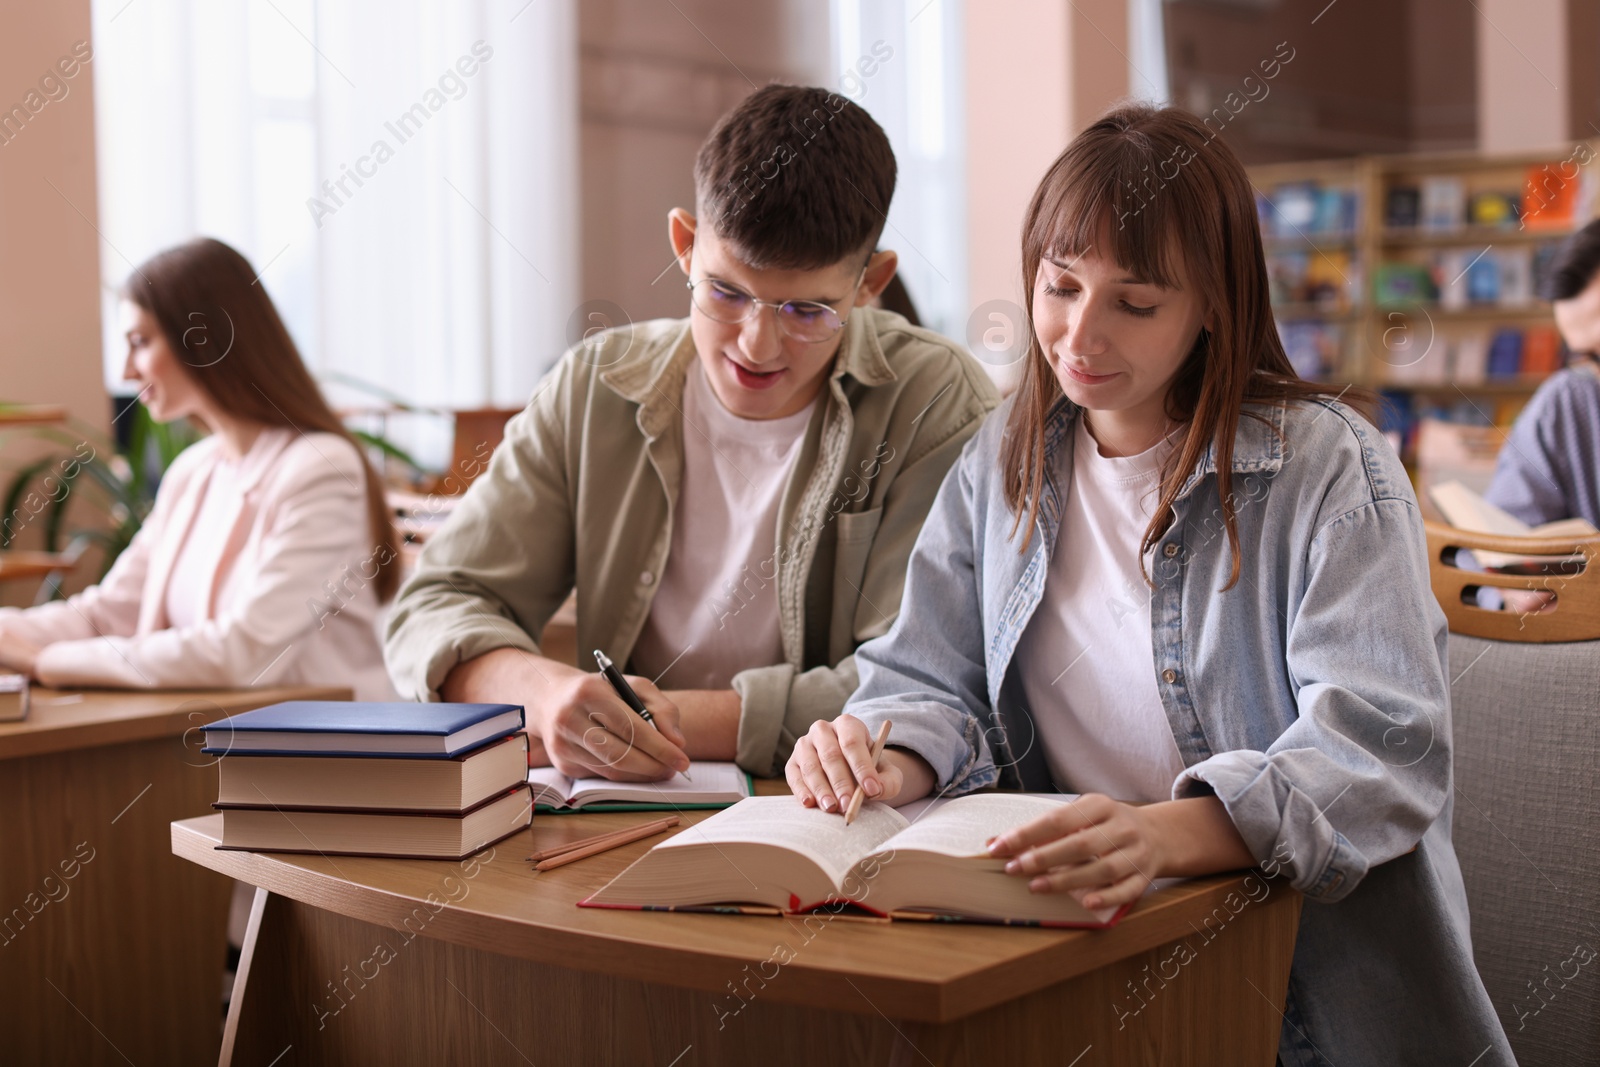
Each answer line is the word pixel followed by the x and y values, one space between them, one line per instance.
pixel 1174 578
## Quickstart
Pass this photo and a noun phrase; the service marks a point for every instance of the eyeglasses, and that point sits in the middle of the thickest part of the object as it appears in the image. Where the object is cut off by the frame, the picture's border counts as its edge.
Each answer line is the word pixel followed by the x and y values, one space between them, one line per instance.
pixel 804 320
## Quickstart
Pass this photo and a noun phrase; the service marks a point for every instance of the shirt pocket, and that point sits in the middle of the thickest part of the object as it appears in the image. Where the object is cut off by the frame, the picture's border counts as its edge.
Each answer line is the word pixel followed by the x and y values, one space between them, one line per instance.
pixel 854 536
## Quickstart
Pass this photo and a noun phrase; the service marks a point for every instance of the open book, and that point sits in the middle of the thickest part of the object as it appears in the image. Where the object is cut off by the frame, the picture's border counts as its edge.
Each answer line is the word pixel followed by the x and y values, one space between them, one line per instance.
pixel 715 785
pixel 774 852
pixel 1467 510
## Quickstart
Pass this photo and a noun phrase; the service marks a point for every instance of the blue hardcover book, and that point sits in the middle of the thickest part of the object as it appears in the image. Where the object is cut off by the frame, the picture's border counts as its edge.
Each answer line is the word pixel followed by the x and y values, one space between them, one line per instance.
pixel 1505 354
pixel 347 728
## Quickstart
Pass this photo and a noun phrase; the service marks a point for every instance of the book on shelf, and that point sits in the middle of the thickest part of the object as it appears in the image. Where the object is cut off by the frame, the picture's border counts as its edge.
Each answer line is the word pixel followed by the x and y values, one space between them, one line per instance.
pixel 1413 358
pixel 1402 207
pixel 1494 209
pixel 348 728
pixel 1451 278
pixel 1541 350
pixel 1308 209
pixel 1294 208
pixel 1505 354
pixel 1399 284
pixel 1516 275
pixel 774 853
pixel 715 785
pixel 1549 198
pixel 1483 280
pixel 1336 211
pixel 1327 280
pixel 1470 357
pixel 1444 203
pixel 419 835
pixel 1312 347
pixel 454 784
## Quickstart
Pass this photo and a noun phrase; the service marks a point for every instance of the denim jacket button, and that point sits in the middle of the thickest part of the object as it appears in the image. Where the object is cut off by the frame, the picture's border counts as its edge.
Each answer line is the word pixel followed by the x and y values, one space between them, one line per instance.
pixel 1169 676
pixel 1171 549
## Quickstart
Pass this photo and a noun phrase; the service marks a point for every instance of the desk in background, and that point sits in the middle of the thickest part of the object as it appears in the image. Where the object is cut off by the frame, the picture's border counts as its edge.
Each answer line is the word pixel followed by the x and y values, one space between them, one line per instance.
pixel 111 950
pixel 358 959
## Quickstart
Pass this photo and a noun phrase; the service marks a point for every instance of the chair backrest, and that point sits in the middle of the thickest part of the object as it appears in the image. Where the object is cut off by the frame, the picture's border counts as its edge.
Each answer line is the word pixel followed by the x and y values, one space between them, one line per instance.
pixel 1572 575
pixel 1526 731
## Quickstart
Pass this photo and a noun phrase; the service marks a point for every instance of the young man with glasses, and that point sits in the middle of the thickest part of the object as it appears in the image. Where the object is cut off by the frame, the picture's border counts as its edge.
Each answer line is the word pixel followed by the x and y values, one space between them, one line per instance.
pixel 734 496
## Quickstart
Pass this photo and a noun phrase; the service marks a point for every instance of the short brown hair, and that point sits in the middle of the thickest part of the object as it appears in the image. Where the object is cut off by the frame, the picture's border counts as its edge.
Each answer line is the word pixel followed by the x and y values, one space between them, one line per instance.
pixel 795 178
pixel 1574 266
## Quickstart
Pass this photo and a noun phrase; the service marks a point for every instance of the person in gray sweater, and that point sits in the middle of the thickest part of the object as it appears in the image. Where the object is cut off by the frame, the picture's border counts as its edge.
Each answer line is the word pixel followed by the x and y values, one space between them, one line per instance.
pixel 1549 468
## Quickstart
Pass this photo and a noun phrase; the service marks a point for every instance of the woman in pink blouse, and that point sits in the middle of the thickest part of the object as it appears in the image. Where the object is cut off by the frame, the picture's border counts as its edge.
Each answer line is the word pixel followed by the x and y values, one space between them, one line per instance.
pixel 269 550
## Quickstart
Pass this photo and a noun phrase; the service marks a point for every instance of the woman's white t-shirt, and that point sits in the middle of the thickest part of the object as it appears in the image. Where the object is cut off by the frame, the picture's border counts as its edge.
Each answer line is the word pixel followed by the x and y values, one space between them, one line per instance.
pixel 1087 668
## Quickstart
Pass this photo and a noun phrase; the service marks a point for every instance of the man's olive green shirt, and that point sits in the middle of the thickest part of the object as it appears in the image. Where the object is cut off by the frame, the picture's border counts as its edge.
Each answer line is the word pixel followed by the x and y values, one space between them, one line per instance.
pixel 581 493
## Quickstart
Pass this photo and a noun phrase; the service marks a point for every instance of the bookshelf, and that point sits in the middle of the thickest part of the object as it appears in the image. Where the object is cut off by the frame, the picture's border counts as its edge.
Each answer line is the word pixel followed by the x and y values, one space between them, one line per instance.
pixel 1393 273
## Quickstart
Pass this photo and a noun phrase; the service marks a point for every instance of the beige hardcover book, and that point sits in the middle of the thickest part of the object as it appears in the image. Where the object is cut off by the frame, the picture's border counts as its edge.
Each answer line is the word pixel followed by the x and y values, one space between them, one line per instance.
pixel 374 782
pixel 776 853
pixel 438 835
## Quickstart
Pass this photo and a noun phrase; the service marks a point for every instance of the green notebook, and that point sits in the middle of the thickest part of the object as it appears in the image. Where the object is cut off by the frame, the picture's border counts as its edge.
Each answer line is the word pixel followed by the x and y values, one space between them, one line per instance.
pixel 715 785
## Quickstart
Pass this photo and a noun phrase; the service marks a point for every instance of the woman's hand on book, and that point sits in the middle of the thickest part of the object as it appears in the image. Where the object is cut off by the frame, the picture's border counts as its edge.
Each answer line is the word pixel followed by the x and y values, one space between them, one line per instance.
pixel 833 757
pixel 1111 851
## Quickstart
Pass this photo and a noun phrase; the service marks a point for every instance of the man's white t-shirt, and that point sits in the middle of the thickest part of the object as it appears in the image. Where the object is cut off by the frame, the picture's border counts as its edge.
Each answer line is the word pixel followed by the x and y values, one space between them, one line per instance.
pixel 1085 658
pixel 716 611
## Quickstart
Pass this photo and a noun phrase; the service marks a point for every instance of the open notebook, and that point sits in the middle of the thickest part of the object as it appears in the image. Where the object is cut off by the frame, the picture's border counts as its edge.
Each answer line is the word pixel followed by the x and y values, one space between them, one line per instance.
pixel 715 785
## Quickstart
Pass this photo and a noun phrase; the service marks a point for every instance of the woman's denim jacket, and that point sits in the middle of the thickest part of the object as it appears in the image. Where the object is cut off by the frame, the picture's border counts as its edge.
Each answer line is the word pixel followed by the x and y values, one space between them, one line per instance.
pixel 1312 698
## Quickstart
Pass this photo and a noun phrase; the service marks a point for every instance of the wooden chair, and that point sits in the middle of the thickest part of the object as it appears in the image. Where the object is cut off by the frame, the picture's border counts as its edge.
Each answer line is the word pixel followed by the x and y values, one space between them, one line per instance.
pixel 1571 575
pixel 1525 731
pixel 52 567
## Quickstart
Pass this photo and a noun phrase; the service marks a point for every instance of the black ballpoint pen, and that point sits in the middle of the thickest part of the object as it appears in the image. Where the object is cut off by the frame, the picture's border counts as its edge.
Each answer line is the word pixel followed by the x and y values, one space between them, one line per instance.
pixel 625 691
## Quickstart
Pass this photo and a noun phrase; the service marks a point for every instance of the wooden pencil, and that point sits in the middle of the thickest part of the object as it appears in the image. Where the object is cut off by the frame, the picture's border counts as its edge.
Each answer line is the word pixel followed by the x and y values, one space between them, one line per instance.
pixel 583 842
pixel 607 843
pixel 861 794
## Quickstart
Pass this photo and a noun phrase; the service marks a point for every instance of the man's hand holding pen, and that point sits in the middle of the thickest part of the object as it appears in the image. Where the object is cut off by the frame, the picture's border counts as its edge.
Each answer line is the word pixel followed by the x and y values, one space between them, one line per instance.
pixel 589 731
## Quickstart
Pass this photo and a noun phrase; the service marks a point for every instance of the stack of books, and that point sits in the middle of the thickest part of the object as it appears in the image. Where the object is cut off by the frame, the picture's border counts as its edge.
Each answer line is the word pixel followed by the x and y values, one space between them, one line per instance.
pixel 432 781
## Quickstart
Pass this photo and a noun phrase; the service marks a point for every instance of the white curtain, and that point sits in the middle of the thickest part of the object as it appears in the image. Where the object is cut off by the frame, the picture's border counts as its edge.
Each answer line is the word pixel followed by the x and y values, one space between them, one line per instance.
pixel 403 173
pixel 901 60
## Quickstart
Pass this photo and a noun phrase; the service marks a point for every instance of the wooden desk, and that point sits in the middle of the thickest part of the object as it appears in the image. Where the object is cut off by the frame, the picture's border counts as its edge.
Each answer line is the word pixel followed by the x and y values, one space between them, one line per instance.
pixel 28 564
pixel 111 950
pixel 31 414
pixel 348 960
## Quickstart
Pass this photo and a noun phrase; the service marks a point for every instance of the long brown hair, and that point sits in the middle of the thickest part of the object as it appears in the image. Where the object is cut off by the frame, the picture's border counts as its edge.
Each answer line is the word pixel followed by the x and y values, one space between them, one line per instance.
pixel 1157 182
pixel 219 321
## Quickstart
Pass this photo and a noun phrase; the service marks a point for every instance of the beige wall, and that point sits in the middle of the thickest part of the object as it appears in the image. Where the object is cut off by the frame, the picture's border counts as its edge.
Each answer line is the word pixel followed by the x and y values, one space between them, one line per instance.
pixel 1522 71
pixel 49 256
pixel 654 79
pixel 1038 71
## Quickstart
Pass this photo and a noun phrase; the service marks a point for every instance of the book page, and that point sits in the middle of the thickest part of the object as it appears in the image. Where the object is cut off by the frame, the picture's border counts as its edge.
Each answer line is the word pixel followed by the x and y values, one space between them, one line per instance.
pixel 713 781
pixel 960 826
pixel 784 821
pixel 550 786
